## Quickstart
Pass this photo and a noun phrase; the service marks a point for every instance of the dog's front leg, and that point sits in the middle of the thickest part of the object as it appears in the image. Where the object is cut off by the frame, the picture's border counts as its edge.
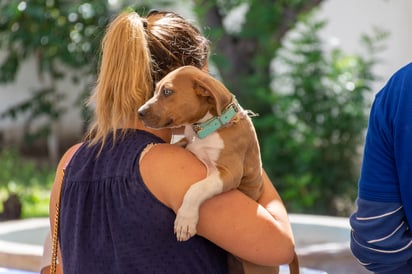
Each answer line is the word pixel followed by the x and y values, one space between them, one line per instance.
pixel 188 213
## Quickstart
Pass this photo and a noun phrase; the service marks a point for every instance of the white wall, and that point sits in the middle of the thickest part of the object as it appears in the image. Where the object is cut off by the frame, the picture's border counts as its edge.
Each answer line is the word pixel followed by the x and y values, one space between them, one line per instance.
pixel 347 20
pixel 27 81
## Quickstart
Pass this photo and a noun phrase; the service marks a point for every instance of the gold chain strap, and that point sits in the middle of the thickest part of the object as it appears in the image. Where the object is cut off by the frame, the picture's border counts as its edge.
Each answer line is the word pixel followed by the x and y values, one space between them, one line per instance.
pixel 55 239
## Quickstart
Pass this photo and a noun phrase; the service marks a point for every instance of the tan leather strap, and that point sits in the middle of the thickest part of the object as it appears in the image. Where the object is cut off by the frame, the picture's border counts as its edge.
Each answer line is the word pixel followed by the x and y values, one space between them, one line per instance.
pixel 55 233
pixel 56 192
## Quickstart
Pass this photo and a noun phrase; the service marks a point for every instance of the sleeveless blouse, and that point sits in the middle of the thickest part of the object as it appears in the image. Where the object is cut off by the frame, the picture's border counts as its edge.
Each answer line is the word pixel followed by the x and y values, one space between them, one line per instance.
pixel 111 223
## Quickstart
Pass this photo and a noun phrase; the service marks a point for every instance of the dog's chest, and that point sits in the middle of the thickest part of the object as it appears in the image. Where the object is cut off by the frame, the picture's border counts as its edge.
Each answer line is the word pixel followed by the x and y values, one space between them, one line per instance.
pixel 207 149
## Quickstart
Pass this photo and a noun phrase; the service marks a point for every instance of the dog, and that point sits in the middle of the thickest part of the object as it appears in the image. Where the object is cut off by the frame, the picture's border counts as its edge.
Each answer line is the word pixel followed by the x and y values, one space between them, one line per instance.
pixel 219 132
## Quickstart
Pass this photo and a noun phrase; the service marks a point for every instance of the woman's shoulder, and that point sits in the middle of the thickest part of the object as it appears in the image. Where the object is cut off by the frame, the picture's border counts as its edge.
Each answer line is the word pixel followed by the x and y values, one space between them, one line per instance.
pixel 170 157
pixel 68 154
pixel 169 170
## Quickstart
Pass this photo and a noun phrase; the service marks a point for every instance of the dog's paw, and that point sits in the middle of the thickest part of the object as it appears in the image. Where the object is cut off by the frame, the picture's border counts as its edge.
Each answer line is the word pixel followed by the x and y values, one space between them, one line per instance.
pixel 185 225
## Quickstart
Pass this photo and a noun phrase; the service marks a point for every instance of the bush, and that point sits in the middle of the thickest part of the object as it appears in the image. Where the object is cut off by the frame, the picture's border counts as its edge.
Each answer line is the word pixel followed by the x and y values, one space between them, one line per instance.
pixel 320 114
pixel 31 182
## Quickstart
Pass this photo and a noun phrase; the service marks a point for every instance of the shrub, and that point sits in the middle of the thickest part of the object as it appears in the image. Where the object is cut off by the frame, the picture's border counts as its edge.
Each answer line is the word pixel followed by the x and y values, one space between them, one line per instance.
pixel 30 181
pixel 320 108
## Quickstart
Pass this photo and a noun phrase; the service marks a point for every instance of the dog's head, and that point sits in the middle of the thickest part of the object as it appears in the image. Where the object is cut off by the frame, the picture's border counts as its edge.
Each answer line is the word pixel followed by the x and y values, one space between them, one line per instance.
pixel 183 97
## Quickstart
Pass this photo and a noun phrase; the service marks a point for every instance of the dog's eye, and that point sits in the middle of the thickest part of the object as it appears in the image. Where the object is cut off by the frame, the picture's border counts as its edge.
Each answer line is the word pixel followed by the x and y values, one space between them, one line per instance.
pixel 167 92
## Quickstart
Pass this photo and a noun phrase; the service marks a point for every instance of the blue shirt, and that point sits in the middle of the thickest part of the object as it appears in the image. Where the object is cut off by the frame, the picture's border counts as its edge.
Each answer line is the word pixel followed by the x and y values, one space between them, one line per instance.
pixel 111 223
pixel 381 237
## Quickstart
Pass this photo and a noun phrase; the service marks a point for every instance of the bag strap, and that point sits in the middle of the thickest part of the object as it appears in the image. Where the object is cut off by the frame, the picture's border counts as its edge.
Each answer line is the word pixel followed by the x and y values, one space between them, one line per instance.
pixel 57 191
pixel 55 234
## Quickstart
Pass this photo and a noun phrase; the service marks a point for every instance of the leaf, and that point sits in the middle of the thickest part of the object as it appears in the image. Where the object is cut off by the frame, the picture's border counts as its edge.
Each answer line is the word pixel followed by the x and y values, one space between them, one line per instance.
pixel 9 68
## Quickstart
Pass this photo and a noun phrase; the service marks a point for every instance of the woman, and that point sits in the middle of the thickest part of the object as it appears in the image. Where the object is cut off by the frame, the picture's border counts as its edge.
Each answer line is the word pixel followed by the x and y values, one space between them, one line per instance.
pixel 124 184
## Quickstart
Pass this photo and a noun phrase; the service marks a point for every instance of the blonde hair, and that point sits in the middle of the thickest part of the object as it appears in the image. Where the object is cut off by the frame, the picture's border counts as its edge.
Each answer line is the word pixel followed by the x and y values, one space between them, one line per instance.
pixel 124 82
pixel 136 53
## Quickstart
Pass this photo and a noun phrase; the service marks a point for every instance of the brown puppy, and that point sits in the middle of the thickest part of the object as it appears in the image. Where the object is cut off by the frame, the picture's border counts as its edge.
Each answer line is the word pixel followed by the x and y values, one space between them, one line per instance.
pixel 219 132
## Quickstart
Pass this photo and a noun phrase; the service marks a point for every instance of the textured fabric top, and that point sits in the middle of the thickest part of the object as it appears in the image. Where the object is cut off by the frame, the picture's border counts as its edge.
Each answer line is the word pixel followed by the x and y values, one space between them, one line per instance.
pixel 111 223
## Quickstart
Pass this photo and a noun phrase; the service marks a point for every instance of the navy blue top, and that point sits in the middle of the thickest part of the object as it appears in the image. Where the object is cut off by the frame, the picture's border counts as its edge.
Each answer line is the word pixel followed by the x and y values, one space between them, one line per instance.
pixel 381 227
pixel 111 223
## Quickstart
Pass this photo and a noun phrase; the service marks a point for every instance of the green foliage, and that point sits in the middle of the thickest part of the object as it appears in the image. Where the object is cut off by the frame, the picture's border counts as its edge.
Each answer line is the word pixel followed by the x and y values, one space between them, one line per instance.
pixel 64 39
pixel 313 107
pixel 310 127
pixel 321 98
pixel 64 31
pixel 58 35
pixel 29 180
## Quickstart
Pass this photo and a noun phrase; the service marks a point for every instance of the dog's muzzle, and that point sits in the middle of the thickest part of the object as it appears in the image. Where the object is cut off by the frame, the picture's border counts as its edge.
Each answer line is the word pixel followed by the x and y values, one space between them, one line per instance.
pixel 141 112
pixel 145 115
pixel 151 119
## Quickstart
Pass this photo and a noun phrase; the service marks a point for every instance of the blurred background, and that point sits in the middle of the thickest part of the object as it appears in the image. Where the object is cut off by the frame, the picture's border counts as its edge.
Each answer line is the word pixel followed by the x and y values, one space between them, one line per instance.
pixel 310 68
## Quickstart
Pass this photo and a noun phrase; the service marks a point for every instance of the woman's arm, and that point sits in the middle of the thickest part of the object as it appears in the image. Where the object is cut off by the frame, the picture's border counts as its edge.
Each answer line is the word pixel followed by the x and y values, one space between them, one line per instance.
pixel 231 220
pixel 248 229
pixel 54 195
pixel 271 200
pixel 54 198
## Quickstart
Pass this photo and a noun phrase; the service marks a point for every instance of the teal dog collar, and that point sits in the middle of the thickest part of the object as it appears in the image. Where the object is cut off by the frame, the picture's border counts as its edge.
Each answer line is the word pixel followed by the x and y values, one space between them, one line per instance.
pixel 213 124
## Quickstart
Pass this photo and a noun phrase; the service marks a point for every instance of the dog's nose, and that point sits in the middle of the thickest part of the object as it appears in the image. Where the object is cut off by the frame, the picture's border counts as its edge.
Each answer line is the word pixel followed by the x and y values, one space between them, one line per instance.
pixel 141 113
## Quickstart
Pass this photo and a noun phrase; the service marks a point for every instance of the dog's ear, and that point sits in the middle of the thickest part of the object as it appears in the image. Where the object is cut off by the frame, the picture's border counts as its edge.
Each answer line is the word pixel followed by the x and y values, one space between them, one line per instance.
pixel 218 93
pixel 200 89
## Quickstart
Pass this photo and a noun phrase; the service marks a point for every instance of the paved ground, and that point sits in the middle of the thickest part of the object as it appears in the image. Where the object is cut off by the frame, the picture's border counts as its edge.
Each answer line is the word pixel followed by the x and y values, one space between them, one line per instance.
pixel 14 271
pixel 334 264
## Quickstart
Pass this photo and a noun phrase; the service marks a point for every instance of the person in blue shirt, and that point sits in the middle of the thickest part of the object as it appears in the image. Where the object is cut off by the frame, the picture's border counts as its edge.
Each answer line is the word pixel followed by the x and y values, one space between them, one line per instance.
pixel 381 238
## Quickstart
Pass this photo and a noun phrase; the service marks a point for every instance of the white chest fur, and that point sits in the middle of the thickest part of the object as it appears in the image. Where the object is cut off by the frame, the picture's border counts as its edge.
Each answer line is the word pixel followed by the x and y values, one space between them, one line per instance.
pixel 207 149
